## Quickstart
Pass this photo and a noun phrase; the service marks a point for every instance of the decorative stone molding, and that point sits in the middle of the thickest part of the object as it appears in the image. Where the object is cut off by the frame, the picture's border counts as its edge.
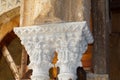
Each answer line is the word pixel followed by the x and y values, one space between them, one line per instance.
pixel 6 5
pixel 69 40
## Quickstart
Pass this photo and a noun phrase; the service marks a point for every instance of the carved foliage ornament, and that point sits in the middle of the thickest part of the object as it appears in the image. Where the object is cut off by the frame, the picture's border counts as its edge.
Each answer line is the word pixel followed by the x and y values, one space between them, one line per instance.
pixel 69 39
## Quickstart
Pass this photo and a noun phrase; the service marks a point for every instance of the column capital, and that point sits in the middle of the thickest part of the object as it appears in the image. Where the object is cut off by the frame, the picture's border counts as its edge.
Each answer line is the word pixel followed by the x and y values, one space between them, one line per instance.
pixel 69 39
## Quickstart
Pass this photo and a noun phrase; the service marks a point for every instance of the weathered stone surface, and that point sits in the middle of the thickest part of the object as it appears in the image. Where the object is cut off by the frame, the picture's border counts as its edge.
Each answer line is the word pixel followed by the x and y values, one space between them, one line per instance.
pixel 101 25
pixel 70 40
pixel 6 17
pixel 6 5
pixel 42 11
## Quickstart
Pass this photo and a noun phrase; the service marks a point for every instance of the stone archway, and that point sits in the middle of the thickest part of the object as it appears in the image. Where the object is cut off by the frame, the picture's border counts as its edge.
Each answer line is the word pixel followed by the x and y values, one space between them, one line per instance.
pixel 8 21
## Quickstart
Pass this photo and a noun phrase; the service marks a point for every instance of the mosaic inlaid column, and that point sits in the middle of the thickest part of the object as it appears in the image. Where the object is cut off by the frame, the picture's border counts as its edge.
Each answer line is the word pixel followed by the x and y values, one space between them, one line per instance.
pixel 69 40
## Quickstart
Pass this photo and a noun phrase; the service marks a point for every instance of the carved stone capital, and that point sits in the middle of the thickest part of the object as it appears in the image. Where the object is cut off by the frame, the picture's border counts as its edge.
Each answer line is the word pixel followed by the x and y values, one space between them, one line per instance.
pixel 70 40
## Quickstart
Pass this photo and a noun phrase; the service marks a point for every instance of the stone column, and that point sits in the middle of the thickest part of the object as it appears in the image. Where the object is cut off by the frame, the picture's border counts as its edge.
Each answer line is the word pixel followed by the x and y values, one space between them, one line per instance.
pixel 71 50
pixel 69 40
pixel 101 25
pixel 40 51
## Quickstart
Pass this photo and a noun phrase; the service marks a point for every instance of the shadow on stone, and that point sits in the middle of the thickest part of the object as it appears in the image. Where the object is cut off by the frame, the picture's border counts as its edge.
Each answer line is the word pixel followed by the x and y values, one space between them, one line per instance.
pixel 81 74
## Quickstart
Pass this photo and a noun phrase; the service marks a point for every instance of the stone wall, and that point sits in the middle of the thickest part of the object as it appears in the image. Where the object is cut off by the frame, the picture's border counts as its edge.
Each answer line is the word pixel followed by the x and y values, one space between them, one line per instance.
pixel 44 11
pixel 7 5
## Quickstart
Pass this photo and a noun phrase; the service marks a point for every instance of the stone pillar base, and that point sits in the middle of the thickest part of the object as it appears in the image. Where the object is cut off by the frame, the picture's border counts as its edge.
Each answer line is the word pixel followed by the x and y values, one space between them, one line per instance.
pixel 91 76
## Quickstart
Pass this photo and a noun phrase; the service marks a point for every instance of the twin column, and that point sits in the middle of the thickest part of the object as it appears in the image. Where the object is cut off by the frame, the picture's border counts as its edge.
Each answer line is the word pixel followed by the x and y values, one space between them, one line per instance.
pixel 69 40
